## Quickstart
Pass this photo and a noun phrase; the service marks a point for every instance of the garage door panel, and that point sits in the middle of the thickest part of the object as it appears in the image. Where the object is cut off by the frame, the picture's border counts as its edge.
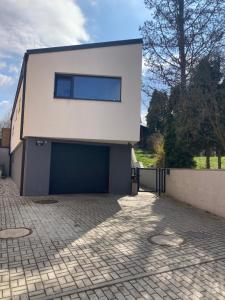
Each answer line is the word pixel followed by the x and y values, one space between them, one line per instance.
pixel 79 169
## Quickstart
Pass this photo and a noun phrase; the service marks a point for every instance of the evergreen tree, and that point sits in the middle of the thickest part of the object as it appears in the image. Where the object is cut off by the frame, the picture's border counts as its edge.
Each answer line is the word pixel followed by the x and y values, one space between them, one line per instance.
pixel 207 103
pixel 178 153
pixel 178 34
pixel 157 112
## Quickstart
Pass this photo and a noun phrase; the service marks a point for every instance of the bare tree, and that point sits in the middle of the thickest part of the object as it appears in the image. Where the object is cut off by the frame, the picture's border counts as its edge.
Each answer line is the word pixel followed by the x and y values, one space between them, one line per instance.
pixel 5 121
pixel 179 33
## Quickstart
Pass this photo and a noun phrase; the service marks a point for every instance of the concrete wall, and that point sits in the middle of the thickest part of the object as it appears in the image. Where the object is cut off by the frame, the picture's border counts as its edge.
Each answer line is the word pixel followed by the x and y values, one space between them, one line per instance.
pixel 101 121
pixel 37 168
pixel 16 122
pixel 204 189
pixel 120 169
pixel 16 164
pixel 4 159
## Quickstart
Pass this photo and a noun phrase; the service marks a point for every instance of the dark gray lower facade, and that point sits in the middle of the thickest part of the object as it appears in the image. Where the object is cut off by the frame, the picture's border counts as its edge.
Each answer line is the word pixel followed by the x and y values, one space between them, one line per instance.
pixel 35 166
pixel 16 165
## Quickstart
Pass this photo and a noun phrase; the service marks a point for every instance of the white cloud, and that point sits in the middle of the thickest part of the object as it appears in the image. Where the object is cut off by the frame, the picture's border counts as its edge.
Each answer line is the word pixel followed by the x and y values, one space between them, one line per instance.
pixel 2 64
pixel 5 108
pixel 94 2
pixel 5 80
pixel 144 66
pixel 14 69
pixel 26 24
pixel 4 103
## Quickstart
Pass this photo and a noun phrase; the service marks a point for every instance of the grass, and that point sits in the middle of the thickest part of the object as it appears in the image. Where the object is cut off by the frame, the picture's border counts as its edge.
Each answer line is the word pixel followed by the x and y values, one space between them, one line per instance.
pixel 201 162
pixel 145 157
pixel 149 160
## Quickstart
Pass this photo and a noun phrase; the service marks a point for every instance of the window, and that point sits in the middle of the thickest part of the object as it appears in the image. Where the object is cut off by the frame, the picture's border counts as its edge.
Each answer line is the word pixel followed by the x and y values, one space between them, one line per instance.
pixel 88 87
pixel 63 86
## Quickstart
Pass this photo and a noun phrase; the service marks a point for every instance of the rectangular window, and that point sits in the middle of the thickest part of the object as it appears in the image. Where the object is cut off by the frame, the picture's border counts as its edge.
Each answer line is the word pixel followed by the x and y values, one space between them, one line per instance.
pixel 88 87
pixel 63 86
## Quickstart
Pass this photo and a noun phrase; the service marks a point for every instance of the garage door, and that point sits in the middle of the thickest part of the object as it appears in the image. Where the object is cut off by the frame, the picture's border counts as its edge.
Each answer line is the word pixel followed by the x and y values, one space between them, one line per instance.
pixel 79 169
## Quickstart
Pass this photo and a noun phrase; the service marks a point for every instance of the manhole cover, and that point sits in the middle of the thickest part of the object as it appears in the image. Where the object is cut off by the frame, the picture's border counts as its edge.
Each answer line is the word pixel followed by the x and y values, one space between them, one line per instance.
pixel 13 233
pixel 49 201
pixel 167 240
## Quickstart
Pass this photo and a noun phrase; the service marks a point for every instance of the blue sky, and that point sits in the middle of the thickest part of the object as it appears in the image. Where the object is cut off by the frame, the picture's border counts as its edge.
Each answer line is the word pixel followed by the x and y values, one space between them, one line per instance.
pixel 27 24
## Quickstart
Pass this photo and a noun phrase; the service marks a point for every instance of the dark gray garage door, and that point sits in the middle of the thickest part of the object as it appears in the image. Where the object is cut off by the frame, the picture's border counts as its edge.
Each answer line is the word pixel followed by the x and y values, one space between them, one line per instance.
pixel 79 169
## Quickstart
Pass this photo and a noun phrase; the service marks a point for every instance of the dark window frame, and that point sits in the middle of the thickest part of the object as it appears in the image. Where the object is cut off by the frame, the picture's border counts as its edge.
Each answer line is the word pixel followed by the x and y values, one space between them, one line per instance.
pixel 61 75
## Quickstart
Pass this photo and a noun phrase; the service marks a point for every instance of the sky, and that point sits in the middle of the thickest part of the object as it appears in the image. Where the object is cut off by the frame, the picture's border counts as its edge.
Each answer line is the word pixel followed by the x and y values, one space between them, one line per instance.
pixel 28 24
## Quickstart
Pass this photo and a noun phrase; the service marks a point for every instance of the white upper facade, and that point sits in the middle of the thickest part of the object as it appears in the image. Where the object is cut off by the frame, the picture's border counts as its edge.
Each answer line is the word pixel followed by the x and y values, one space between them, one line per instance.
pixel 88 94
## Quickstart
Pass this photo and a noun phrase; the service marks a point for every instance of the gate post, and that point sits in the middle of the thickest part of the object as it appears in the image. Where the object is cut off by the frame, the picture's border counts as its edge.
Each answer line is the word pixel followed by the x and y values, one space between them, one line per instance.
pixel 159 182
pixel 138 178
pixel 161 187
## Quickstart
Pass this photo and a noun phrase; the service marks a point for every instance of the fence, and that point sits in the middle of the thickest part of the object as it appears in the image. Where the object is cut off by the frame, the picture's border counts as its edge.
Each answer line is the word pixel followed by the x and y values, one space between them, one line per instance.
pixel 150 179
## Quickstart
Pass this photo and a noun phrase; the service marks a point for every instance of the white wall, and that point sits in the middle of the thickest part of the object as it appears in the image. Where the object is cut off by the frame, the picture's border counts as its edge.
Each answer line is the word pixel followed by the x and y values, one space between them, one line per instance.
pixel 147 179
pixel 16 121
pixel 45 116
pixel 204 189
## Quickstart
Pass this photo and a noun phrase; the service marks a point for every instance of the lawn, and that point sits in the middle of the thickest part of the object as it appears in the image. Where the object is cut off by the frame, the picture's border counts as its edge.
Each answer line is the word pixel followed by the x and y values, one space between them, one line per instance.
pixel 149 160
pixel 201 162
pixel 145 157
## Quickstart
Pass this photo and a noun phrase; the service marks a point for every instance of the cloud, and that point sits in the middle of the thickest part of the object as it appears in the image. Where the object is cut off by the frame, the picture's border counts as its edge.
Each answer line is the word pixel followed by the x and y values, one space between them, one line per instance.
pixel 5 80
pixel 94 2
pixel 144 67
pixel 4 103
pixel 143 115
pixel 39 23
pixel 14 69
pixel 2 64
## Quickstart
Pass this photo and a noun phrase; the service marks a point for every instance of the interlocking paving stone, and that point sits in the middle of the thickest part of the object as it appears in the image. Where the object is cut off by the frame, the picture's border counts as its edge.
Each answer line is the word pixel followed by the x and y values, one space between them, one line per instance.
pixel 97 247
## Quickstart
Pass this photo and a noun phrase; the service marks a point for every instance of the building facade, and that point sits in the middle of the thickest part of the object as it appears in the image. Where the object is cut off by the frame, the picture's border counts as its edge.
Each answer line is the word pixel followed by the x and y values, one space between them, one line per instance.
pixel 75 116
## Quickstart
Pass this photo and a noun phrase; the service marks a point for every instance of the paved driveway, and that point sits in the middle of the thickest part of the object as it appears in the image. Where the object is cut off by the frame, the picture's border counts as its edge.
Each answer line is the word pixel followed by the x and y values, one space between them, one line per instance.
pixel 96 247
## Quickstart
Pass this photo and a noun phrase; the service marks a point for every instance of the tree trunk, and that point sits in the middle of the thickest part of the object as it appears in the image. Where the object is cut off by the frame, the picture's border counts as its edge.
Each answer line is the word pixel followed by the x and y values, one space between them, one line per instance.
pixel 181 44
pixel 219 159
pixel 207 153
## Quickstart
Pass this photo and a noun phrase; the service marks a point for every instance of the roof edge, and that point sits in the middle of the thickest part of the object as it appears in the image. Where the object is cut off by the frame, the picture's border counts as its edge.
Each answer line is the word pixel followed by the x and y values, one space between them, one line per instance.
pixel 85 46
pixel 18 85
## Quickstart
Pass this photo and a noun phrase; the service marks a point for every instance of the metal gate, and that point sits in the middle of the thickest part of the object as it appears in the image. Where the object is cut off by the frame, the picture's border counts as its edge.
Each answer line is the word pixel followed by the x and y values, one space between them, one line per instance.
pixel 151 179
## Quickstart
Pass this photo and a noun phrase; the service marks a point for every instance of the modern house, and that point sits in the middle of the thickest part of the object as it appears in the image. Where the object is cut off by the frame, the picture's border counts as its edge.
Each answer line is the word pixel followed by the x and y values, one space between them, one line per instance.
pixel 75 116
